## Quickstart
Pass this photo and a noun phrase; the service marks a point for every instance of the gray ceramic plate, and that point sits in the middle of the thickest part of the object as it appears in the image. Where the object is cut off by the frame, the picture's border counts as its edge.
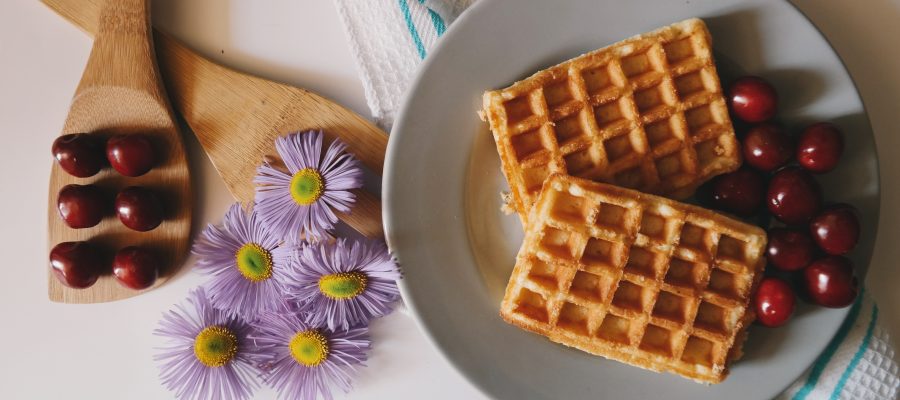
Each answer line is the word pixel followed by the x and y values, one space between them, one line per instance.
pixel 442 182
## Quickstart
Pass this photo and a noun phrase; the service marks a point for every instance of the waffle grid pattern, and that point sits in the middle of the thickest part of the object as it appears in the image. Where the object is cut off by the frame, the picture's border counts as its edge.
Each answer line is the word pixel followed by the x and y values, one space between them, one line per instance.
pixel 646 113
pixel 636 278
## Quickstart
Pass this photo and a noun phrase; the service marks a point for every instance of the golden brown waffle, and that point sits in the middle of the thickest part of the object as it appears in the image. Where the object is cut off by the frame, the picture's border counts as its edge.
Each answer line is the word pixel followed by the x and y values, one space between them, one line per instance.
pixel 636 278
pixel 645 113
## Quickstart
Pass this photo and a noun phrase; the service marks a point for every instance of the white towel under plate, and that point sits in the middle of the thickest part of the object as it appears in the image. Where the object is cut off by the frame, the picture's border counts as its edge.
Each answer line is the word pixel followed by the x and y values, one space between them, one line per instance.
pixel 389 38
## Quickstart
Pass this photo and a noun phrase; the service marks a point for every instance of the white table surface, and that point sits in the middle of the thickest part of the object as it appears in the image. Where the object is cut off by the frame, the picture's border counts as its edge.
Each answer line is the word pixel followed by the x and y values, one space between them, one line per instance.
pixel 104 351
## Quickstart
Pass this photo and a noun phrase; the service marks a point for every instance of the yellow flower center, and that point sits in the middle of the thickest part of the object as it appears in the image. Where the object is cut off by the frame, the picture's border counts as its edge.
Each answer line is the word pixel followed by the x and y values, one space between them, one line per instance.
pixel 215 346
pixel 307 186
pixel 344 285
pixel 254 262
pixel 309 348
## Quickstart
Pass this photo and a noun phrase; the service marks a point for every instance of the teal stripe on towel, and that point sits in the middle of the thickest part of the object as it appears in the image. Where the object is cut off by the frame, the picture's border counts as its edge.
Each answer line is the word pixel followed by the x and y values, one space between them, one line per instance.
pixel 438 22
pixel 404 8
pixel 856 357
pixel 439 26
pixel 816 372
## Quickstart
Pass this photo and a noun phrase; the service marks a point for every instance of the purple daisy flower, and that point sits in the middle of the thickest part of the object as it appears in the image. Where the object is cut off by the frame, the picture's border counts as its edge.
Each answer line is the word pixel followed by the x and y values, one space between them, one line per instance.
pixel 305 199
pixel 208 354
pixel 343 283
pixel 247 264
pixel 302 361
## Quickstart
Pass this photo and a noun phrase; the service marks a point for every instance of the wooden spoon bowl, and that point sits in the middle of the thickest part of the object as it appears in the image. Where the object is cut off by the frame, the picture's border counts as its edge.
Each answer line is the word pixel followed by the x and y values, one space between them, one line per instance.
pixel 121 93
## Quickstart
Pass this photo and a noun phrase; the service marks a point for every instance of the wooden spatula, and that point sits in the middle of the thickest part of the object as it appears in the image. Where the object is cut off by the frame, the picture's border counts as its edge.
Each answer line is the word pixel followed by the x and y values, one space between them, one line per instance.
pixel 121 93
pixel 237 117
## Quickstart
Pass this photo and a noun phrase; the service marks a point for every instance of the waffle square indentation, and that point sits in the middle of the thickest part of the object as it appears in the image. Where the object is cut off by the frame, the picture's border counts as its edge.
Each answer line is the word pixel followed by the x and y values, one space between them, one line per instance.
pixel 570 209
pixel 618 147
pixel 679 50
pixel 637 64
pixel 609 114
pixel 643 262
pixel 535 176
pixel 615 329
pixel 698 350
pixel 700 118
pixel 691 83
pixel 597 80
pixel 568 129
pixel 518 109
pixel 631 296
pixel 657 340
pixel 660 132
pixel 712 318
pixel 685 274
pixel 671 307
pixel 727 284
pixel 591 287
pixel 544 274
pixel 579 162
pixel 532 305
pixel 602 253
pixel 558 93
pixel 559 243
pixel 731 249
pixel 611 216
pixel 574 318
pixel 527 143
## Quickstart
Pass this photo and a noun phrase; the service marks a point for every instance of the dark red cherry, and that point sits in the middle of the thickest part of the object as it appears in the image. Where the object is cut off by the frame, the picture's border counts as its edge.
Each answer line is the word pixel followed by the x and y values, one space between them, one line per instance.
pixel 131 155
pixel 139 208
pixel 767 147
pixel 740 192
pixel 774 302
pixel 136 267
pixel 794 196
pixel 830 282
pixel 836 230
pixel 789 249
pixel 76 264
pixel 819 147
pixel 752 99
pixel 81 206
pixel 79 154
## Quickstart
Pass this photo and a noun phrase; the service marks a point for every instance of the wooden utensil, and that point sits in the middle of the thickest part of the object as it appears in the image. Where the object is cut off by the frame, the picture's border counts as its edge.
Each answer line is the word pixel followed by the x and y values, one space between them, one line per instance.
pixel 237 117
pixel 121 93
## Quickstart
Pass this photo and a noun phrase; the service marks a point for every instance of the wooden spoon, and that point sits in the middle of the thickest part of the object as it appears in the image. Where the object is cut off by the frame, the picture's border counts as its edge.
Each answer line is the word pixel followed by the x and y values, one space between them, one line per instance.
pixel 121 93
pixel 237 117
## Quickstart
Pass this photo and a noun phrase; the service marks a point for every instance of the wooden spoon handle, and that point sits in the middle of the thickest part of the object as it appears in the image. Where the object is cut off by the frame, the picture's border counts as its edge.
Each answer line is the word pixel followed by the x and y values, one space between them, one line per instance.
pixel 123 33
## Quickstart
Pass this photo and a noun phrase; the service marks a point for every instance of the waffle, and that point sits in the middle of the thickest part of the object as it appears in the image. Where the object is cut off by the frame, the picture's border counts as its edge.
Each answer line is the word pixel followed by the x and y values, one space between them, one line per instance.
pixel 636 278
pixel 645 113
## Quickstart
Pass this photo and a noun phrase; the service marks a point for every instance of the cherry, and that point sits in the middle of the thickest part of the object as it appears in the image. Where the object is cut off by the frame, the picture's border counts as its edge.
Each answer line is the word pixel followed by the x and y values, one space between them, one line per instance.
pixel 131 155
pixel 139 208
pixel 774 302
pixel 81 206
pixel 767 147
pixel 136 267
pixel 830 282
pixel 752 99
pixel 76 264
pixel 739 192
pixel 836 230
pixel 794 196
pixel 819 147
pixel 789 249
pixel 79 154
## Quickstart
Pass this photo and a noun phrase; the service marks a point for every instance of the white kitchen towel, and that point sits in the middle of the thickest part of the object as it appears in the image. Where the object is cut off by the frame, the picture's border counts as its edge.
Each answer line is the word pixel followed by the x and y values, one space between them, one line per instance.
pixel 389 39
